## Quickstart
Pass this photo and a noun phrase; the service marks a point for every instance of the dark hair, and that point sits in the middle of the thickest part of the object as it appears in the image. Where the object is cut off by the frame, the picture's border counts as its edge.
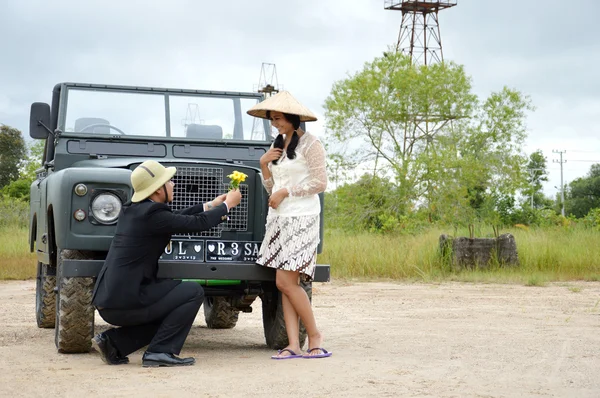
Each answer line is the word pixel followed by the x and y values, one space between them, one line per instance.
pixel 279 143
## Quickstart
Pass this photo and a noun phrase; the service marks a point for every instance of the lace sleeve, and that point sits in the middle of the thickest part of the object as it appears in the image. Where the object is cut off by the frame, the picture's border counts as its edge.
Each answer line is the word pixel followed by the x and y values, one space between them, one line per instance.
pixel 268 183
pixel 317 179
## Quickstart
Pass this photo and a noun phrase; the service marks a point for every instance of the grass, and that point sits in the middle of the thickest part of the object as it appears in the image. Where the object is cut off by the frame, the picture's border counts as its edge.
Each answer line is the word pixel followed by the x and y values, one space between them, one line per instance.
pixel 16 262
pixel 545 254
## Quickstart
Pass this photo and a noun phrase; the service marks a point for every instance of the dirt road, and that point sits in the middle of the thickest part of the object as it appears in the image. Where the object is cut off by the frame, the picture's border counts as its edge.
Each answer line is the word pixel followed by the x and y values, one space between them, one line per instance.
pixel 389 340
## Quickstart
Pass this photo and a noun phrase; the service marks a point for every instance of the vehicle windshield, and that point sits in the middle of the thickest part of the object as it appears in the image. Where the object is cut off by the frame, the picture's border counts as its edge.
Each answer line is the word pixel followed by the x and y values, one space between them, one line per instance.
pixel 162 114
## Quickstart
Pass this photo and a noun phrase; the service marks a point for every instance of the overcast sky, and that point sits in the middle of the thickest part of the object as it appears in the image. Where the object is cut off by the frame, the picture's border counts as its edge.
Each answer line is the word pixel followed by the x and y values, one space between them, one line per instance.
pixel 547 49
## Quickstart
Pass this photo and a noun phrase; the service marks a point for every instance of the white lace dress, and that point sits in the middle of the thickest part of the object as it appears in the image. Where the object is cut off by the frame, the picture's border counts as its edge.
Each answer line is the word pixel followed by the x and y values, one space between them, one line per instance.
pixel 292 231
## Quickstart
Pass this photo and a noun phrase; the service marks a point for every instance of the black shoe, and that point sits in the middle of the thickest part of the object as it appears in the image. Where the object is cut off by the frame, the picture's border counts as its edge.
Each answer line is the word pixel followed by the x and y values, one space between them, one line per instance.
pixel 156 359
pixel 108 352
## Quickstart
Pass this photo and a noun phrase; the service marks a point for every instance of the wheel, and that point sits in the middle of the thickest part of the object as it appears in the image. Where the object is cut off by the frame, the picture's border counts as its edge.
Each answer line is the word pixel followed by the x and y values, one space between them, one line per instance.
pixel 45 296
pixel 219 314
pixel 273 323
pixel 74 311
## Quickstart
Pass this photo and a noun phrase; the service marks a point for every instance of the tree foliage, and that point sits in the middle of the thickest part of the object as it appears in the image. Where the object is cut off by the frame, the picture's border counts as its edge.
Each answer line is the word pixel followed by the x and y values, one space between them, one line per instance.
pixel 538 173
pixel 20 187
pixel 33 161
pixel 12 154
pixel 423 129
pixel 584 193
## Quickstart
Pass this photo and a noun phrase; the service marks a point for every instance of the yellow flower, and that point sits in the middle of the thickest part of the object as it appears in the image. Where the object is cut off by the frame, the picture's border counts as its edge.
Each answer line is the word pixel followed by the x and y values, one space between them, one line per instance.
pixel 236 178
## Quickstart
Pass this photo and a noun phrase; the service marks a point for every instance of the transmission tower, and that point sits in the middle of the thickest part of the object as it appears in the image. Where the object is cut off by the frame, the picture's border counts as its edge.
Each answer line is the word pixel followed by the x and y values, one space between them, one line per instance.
pixel 268 85
pixel 192 116
pixel 419 36
pixel 421 40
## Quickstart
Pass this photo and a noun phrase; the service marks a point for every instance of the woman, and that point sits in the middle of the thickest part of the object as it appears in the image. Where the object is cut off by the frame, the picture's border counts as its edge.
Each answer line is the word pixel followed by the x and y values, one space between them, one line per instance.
pixel 293 173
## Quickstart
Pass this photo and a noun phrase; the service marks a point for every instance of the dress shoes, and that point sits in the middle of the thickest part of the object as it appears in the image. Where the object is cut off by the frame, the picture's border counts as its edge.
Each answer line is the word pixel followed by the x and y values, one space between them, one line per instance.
pixel 156 359
pixel 108 352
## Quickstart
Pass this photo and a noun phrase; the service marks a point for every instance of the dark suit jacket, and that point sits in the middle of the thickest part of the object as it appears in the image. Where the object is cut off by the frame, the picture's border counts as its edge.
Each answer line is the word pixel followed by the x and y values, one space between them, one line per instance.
pixel 128 278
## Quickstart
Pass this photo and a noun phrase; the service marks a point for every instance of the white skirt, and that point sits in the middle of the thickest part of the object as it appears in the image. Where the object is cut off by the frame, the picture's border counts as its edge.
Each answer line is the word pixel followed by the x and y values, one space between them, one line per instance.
pixel 290 244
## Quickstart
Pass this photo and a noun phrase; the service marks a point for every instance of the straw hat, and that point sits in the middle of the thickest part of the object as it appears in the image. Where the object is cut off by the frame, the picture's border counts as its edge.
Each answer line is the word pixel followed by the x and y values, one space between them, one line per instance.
pixel 282 102
pixel 148 177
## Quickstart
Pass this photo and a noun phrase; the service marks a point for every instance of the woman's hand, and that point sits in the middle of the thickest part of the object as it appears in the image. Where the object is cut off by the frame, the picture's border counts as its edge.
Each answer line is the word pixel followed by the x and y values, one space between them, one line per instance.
pixel 272 154
pixel 276 198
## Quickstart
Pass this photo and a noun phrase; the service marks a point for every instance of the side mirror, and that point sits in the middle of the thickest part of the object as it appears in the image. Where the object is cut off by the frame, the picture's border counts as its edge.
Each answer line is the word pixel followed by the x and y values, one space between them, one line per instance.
pixel 39 120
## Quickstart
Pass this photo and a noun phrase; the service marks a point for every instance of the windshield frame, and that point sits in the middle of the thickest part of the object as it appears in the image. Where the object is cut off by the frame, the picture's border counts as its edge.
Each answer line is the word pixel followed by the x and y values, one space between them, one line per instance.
pixel 167 93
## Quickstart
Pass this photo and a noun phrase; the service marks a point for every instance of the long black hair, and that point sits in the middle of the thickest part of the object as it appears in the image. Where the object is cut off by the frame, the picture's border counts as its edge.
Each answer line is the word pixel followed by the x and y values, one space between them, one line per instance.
pixel 279 143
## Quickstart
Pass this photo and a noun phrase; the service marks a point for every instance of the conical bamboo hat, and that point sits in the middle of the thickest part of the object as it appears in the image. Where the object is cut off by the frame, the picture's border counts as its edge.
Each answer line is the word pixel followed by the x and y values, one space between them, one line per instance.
pixel 282 102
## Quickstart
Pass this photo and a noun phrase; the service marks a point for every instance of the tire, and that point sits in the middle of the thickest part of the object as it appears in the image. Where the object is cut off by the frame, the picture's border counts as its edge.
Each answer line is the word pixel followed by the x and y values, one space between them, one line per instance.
pixel 273 322
pixel 219 314
pixel 74 311
pixel 45 296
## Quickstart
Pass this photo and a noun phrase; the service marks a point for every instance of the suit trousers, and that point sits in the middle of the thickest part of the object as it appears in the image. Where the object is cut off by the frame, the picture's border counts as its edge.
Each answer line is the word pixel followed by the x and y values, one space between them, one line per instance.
pixel 162 326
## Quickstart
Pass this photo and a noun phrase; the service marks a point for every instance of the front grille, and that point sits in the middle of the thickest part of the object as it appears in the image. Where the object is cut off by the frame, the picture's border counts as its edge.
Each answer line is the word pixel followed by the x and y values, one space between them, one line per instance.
pixel 194 185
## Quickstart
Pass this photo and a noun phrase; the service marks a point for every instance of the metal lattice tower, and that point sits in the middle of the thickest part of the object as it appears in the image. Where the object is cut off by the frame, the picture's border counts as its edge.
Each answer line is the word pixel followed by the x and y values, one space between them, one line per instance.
pixel 419 36
pixel 192 116
pixel 268 84
pixel 420 39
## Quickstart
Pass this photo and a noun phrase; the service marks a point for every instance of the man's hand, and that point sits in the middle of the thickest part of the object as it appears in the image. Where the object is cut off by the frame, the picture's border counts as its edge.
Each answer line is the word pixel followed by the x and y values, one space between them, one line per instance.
pixel 233 198
pixel 218 200
pixel 272 154
pixel 276 198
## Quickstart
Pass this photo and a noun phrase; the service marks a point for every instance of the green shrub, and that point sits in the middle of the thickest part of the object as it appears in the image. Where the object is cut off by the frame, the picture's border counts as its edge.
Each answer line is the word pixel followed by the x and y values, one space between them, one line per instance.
pixel 18 189
pixel 14 212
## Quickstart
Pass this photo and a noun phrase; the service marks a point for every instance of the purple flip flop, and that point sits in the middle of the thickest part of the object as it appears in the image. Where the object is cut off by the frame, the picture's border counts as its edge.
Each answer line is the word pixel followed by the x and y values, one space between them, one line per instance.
pixel 292 355
pixel 325 353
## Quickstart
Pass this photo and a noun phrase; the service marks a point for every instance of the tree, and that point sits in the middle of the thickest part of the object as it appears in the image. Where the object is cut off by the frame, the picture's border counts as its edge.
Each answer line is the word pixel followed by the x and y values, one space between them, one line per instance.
pixel 538 173
pixel 12 154
pixel 33 161
pixel 423 126
pixel 363 205
pixel 584 193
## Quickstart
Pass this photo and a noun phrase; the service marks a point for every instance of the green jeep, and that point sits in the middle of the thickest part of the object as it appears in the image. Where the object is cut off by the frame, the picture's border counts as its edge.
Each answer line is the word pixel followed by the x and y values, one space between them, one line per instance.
pixel 95 136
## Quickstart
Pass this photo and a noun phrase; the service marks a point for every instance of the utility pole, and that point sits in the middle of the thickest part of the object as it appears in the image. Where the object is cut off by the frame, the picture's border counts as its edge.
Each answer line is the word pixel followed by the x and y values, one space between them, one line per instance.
pixel 562 186
pixel 531 175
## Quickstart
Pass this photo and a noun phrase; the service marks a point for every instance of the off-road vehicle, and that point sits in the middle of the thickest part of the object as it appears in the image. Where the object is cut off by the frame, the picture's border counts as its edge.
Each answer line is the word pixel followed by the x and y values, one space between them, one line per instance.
pixel 95 136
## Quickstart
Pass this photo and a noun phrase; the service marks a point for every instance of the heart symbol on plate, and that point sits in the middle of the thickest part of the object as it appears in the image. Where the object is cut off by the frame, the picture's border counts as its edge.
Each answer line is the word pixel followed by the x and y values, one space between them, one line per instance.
pixel 197 248
pixel 211 248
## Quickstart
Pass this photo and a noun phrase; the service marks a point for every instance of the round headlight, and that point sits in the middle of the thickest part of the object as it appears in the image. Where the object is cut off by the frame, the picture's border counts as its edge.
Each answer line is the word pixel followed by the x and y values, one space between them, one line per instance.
pixel 79 215
pixel 106 207
pixel 80 189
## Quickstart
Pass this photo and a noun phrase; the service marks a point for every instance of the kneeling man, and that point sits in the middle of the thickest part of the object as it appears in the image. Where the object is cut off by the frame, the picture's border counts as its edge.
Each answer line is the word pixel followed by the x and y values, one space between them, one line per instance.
pixel 152 312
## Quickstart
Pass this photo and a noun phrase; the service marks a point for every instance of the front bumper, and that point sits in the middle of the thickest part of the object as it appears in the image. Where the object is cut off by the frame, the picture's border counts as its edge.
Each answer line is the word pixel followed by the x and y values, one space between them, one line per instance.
pixel 188 270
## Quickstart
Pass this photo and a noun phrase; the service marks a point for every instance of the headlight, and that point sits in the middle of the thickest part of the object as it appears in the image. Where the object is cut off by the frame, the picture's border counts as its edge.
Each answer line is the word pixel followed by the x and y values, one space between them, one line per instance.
pixel 106 208
pixel 80 189
pixel 79 215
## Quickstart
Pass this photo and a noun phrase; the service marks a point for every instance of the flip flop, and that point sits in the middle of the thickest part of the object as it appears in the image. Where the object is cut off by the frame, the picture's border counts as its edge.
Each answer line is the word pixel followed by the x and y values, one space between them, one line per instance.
pixel 325 353
pixel 292 355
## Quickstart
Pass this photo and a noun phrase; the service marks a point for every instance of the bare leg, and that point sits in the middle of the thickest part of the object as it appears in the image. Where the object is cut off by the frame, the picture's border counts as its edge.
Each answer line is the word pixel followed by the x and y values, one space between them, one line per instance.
pixel 291 326
pixel 291 323
pixel 287 283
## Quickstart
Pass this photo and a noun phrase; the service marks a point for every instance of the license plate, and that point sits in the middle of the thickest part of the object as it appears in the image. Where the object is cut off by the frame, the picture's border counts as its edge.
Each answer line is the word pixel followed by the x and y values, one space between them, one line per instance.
pixel 231 251
pixel 184 250
pixel 211 251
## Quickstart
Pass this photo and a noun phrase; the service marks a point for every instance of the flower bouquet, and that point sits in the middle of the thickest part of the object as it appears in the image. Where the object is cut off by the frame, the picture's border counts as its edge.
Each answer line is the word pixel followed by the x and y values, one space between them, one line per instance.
pixel 236 178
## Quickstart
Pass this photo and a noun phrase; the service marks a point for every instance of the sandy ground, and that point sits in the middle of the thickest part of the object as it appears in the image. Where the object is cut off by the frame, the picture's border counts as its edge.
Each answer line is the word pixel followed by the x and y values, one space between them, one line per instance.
pixel 389 340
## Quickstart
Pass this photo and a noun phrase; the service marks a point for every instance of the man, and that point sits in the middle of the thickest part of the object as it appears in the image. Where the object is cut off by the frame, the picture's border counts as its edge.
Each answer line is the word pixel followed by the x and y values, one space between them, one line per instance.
pixel 151 311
